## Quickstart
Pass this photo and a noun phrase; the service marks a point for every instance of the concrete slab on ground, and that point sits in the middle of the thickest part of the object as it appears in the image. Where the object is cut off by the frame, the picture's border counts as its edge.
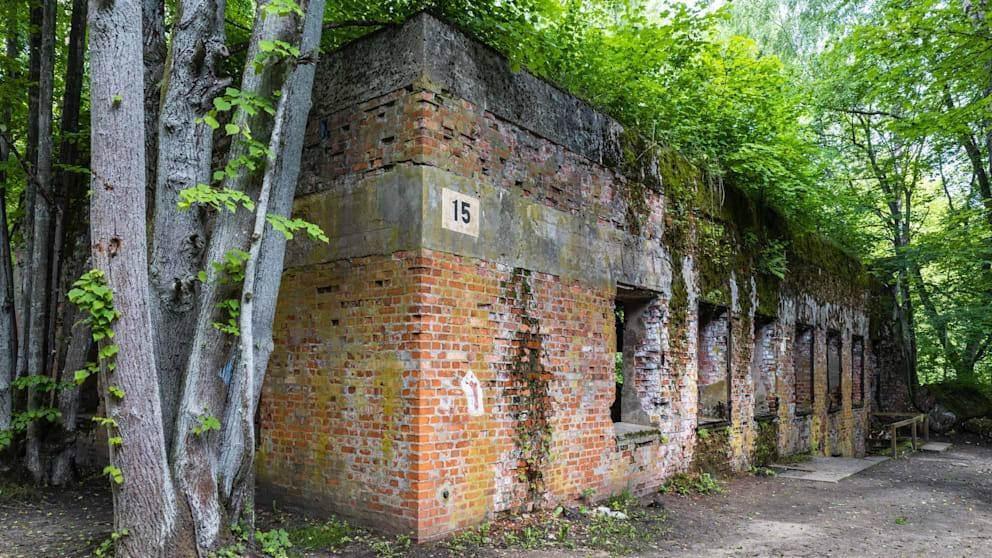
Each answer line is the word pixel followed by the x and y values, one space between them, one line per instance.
pixel 938 447
pixel 829 469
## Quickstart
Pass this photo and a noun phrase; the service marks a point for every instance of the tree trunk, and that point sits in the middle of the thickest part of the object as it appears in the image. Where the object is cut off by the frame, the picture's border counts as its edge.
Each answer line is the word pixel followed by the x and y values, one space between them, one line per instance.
pixel 63 469
pixel 145 502
pixel 263 272
pixel 37 327
pixel 211 361
pixel 28 271
pixel 68 345
pixel 70 199
pixel 184 158
pixel 153 33
pixel 8 319
pixel 8 325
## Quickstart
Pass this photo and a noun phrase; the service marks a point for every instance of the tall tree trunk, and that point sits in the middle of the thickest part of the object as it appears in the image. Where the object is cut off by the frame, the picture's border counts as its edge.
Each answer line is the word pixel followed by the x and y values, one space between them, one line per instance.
pixel 8 319
pixel 263 273
pixel 37 327
pixel 8 323
pixel 69 225
pixel 145 502
pixel 28 272
pixel 184 156
pixel 8 327
pixel 62 470
pixel 212 356
pixel 153 33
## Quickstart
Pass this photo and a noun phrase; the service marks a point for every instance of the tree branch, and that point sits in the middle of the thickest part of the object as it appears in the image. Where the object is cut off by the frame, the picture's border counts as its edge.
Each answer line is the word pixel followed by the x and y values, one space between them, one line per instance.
pixel 28 170
pixel 864 112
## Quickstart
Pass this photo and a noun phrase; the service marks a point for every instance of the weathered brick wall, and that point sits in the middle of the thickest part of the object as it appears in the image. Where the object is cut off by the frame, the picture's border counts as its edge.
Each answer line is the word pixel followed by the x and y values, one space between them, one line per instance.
pixel 336 416
pixel 425 379
pixel 802 372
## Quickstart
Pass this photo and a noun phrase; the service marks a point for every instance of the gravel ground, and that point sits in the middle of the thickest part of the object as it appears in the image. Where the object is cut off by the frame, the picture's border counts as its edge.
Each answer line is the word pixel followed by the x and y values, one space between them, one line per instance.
pixel 923 505
pixel 50 522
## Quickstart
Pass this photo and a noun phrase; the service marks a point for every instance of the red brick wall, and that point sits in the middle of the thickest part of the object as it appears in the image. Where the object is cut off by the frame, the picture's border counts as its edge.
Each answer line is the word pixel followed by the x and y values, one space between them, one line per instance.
pixel 803 348
pixel 424 127
pixel 858 393
pixel 425 391
pixel 337 415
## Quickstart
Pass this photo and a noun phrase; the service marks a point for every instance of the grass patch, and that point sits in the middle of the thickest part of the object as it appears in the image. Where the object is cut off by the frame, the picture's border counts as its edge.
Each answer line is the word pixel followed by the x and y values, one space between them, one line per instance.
pixel 331 535
pixel 15 492
pixel 575 528
pixel 395 548
pixel 622 502
pixel 763 472
pixel 685 484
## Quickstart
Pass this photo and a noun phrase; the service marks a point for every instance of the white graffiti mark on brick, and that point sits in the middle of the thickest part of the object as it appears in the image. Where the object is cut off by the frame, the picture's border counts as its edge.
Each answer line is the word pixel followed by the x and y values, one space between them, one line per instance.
pixel 473 394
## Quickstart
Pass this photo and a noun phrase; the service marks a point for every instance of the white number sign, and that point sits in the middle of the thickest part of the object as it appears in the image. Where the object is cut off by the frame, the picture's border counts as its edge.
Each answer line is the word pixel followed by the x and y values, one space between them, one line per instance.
pixel 460 212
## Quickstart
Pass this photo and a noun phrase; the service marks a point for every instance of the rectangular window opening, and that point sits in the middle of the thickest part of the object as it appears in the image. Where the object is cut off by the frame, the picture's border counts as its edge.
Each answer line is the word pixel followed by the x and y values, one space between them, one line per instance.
pixel 876 384
pixel 858 370
pixel 764 368
pixel 616 409
pixel 802 355
pixel 834 370
pixel 713 380
pixel 631 309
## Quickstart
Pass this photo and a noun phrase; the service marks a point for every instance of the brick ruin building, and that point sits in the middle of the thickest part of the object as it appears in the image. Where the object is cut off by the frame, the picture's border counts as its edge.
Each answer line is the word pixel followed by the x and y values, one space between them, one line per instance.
pixel 495 242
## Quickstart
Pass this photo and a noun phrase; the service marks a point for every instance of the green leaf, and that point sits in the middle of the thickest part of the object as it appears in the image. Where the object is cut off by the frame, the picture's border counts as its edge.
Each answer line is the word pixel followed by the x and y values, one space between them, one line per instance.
pixel 221 104
pixel 105 421
pixel 108 351
pixel 114 473
pixel 206 424
pixel 211 121
pixel 215 198
pixel 288 226
pixel 116 391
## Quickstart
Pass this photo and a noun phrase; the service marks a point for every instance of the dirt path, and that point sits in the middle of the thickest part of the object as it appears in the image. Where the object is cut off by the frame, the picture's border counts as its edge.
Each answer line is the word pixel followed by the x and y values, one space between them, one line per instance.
pixel 50 522
pixel 924 505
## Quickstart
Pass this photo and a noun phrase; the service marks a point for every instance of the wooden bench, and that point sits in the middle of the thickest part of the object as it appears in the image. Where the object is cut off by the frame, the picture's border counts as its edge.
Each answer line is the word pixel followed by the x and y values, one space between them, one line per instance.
pixel 905 419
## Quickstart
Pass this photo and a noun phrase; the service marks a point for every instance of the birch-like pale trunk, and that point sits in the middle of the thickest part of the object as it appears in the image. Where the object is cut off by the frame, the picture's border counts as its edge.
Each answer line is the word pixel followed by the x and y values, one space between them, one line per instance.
pixel 263 271
pixel 145 503
pixel 184 157
pixel 8 325
pixel 27 271
pixel 37 324
pixel 8 318
pixel 205 388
